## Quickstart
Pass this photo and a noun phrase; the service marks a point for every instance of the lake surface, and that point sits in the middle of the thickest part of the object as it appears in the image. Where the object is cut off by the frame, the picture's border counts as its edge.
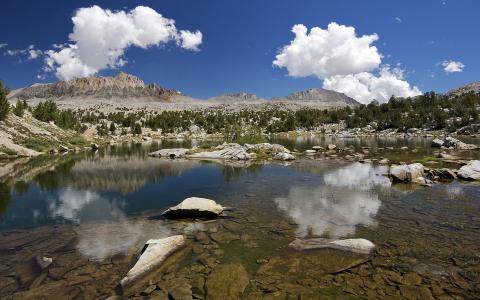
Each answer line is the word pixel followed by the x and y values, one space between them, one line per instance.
pixel 92 213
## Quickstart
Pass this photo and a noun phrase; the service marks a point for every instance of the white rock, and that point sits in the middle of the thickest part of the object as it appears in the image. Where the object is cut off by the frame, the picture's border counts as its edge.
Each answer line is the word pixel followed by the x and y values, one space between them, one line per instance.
pixel 317 148
pixel 284 156
pixel 154 254
pixel 362 246
pixel 470 171
pixel 194 207
pixel 437 143
pixel 63 148
pixel 408 173
pixel 310 152
pixel 170 153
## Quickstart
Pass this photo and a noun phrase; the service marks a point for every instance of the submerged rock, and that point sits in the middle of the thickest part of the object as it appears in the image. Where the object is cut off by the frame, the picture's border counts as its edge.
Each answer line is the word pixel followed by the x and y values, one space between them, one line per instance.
pixel 284 156
pixel 42 262
pixel 170 153
pixel 154 254
pixel 194 207
pixel 413 173
pixel 361 246
pixel 471 171
pixel 227 282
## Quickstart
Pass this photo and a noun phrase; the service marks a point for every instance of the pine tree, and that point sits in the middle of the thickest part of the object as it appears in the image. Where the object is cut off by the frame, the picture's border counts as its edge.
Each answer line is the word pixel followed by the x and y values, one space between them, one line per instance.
pixel 4 104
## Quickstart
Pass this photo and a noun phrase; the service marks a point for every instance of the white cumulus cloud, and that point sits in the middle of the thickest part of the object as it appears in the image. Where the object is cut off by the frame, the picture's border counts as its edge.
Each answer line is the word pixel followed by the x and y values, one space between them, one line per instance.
pixel 450 66
pixel 3 45
pixel 346 63
pixel 365 87
pixel 323 53
pixel 100 38
pixel 189 40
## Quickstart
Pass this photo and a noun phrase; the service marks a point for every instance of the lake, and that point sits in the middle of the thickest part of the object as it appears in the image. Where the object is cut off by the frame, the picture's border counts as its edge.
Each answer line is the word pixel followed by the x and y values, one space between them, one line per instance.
pixel 92 213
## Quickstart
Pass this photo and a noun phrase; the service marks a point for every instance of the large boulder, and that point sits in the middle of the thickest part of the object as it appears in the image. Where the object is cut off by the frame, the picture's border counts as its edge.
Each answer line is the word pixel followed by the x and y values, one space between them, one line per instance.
pixel 194 207
pixel 284 156
pixel 413 173
pixel 361 246
pixel 470 171
pixel 153 255
pixel 170 153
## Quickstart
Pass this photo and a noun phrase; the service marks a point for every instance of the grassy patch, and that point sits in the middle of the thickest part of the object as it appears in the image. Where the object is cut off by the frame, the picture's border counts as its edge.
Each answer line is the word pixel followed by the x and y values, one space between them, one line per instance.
pixel 77 140
pixel 37 144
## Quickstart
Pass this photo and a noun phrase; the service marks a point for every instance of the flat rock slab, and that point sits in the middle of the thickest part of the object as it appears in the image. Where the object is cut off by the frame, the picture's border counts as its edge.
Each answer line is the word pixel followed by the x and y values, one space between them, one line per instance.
pixel 153 256
pixel 194 207
pixel 361 246
pixel 170 153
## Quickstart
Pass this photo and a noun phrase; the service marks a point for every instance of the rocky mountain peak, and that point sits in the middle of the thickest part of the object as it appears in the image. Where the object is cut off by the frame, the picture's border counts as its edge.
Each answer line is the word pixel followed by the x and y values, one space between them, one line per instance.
pixel 467 88
pixel 121 86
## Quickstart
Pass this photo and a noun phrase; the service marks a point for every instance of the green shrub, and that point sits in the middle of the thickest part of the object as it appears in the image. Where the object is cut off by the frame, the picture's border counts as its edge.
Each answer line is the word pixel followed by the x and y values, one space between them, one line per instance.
pixel 20 108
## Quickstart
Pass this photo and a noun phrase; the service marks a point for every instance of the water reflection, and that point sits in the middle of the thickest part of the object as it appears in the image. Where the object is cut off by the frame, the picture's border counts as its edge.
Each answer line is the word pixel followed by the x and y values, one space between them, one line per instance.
pixel 105 240
pixel 77 206
pixel 350 197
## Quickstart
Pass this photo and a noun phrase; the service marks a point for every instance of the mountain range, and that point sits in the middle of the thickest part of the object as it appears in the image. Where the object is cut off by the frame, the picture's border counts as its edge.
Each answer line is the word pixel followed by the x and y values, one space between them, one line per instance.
pixel 125 89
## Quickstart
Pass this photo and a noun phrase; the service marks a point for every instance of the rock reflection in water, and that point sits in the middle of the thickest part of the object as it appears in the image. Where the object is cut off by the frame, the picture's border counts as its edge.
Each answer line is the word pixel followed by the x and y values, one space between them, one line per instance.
pixel 348 198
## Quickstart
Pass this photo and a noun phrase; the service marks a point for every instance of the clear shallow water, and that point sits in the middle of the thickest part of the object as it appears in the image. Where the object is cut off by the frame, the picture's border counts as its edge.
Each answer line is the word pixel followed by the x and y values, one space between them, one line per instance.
pixel 92 214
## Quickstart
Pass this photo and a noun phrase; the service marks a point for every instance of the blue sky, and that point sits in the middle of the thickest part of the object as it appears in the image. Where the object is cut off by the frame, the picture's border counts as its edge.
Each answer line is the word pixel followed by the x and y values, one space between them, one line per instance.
pixel 242 38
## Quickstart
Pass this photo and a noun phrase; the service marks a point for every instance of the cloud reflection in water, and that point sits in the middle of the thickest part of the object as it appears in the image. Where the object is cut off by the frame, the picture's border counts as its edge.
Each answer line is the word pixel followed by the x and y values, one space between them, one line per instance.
pixel 115 233
pixel 348 198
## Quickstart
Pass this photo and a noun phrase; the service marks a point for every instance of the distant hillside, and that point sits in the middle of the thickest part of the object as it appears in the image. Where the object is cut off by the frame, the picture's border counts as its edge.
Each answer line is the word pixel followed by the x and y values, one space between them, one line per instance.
pixel 467 88
pixel 321 96
pixel 121 86
pixel 235 98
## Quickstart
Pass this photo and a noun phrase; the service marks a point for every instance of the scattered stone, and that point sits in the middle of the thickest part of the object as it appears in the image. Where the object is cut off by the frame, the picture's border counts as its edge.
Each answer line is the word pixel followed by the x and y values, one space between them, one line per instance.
pixel 154 253
pixel 446 156
pixel 94 146
pixel 310 152
pixel 194 207
pixel 227 282
pixel 451 142
pixel 361 246
pixel 170 153
pixel 436 143
pixel 63 148
pixel 318 148
pixel 331 147
pixel 384 161
pixel 149 290
pixel 284 156
pixel 471 171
